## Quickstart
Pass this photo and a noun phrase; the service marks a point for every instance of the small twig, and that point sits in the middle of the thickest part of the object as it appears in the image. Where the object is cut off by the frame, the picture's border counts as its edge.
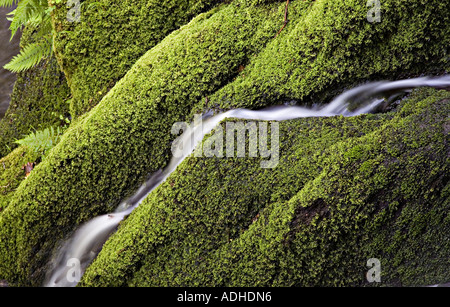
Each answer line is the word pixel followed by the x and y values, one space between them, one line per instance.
pixel 6 186
pixel 285 18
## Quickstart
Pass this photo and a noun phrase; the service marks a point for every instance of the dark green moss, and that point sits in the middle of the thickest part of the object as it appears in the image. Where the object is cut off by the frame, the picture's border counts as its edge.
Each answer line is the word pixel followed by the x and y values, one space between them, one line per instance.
pixel 111 36
pixel 326 50
pixel 109 151
pixel 12 172
pixel 314 220
pixel 211 202
pixel 84 176
pixel 38 92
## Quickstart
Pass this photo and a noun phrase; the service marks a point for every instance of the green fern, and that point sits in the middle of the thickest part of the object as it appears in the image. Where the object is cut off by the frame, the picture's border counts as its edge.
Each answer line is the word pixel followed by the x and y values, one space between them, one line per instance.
pixel 26 11
pixel 30 56
pixel 35 13
pixel 42 141
pixel 6 3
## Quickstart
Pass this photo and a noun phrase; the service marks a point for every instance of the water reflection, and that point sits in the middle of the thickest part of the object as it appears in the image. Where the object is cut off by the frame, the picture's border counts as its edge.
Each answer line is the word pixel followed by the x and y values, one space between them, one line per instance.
pixel 8 49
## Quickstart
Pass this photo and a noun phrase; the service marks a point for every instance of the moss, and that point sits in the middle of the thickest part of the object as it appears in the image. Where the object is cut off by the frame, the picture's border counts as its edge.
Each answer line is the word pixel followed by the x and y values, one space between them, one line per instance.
pixel 109 151
pixel 111 36
pixel 211 202
pixel 38 92
pixel 314 220
pixel 318 55
pixel 75 181
pixel 12 173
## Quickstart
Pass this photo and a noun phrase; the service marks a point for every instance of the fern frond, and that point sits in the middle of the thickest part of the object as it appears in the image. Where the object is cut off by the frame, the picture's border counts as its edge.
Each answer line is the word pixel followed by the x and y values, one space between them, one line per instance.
pixel 6 3
pixel 19 16
pixel 31 55
pixel 41 141
pixel 44 28
pixel 27 10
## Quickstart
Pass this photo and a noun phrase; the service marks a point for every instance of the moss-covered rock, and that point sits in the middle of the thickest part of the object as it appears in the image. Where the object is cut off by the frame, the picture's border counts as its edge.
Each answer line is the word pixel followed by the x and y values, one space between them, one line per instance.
pixel 334 46
pixel 84 176
pixel 221 57
pixel 12 172
pixel 110 37
pixel 37 102
pixel 345 190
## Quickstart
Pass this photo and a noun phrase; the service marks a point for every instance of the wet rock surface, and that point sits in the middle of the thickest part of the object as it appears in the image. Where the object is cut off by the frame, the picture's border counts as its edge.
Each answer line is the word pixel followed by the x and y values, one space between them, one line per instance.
pixel 8 50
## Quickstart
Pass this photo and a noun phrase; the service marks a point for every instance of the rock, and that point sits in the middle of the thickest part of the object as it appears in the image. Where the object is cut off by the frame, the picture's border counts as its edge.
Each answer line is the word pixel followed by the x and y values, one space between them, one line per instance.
pixel 327 46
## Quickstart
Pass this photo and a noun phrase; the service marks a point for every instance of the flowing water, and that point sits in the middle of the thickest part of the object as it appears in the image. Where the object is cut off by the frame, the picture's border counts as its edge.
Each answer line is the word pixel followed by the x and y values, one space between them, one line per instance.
pixel 87 241
pixel 8 49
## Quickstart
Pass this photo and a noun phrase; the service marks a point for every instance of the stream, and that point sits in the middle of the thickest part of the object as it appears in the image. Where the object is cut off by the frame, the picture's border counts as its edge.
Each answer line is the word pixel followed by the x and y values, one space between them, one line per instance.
pixel 86 242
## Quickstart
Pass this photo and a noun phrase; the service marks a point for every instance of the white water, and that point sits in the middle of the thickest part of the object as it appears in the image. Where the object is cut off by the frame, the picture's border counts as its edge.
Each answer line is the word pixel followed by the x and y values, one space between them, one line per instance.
pixel 88 239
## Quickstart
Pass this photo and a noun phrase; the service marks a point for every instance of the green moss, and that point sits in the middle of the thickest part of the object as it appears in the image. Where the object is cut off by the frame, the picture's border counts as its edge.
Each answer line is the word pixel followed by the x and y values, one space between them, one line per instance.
pixel 211 202
pixel 314 220
pixel 109 151
pixel 37 94
pixel 83 175
pixel 255 2
pixel 12 173
pixel 318 55
pixel 111 36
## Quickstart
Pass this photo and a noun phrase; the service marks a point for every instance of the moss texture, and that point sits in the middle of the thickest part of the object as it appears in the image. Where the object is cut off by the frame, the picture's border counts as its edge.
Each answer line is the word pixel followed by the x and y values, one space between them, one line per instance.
pixel 346 190
pixel 83 176
pixel 319 53
pixel 38 92
pixel 111 36
pixel 12 172
pixel 221 57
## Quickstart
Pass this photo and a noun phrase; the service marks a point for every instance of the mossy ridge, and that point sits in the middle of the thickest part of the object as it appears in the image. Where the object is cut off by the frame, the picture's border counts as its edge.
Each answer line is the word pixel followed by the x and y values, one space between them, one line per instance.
pixel 82 176
pixel 208 202
pixel 12 173
pixel 38 92
pixel 111 36
pixel 313 60
pixel 395 210
pixel 314 220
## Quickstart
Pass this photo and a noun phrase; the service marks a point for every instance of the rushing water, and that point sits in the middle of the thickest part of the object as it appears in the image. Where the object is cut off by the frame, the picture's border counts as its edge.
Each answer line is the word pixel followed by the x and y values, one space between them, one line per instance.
pixel 87 241
pixel 8 50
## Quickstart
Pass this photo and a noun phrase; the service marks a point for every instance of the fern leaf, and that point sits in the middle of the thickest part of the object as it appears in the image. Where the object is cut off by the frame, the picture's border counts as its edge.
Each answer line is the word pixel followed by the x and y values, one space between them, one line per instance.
pixel 19 16
pixel 44 29
pixel 31 55
pixel 6 3
pixel 41 141
pixel 34 13
pixel 27 10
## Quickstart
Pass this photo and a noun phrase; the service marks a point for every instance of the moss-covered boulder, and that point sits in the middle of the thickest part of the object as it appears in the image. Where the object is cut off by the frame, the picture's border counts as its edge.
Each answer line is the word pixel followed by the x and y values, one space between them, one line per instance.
pixel 227 57
pixel 38 100
pixel 110 37
pixel 345 190
pixel 13 170
pixel 334 46
pixel 83 176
